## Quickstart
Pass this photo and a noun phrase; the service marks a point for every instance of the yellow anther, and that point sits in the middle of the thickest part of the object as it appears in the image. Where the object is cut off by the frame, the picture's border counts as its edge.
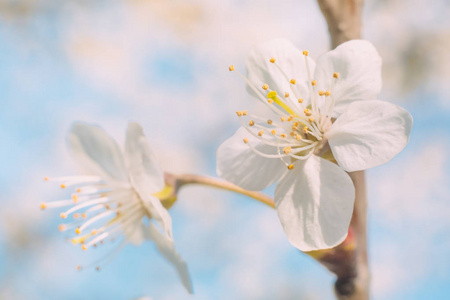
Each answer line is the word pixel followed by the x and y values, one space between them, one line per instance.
pixel 43 206
pixel 244 112
pixel 290 118
pixel 274 132
pixel 83 215
pixel 282 119
pixel 321 93
pixel 283 135
pixel 239 113
pixel 270 101
pixel 245 140
pixel 231 68
pixel 261 133
pixel 292 81
pixel 78 190
pixel 305 53
pixel 327 93
pixel 94 232
pixel 300 100
pixel 63 186
pixel 286 94
pixel 290 167
pixel 271 94
pixel 287 150
pixel 61 227
pixel 76 215
pixel 294 128
pixel 314 82
pixel 63 215
pixel 84 247
pixel 265 86
pixel 46 178
pixel 311 119
pixel 272 59
pixel 295 124
pixel 74 198
pixel 336 75
pixel 307 112
pixel 305 129
pixel 269 122
pixel 292 134
pixel 251 123
pixel 298 137
pixel 77 230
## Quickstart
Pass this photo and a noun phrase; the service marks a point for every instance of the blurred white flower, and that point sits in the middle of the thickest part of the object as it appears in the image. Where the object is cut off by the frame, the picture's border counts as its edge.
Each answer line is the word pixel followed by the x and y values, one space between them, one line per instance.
pixel 119 194
pixel 311 115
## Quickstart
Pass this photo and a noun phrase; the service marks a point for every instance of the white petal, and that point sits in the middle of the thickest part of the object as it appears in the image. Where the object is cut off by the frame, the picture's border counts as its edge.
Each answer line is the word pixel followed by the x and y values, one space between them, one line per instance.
pixel 369 134
pixel 135 234
pixel 167 249
pixel 142 161
pixel 146 175
pixel 96 151
pixel 291 61
pixel 359 68
pixel 314 202
pixel 237 163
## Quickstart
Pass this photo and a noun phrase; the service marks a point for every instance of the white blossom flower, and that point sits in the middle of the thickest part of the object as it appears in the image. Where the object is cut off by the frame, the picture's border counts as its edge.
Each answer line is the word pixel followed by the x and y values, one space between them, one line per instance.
pixel 314 108
pixel 121 195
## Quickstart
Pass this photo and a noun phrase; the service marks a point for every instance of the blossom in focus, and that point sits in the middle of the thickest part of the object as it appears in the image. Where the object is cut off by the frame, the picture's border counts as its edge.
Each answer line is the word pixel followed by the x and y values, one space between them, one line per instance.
pixel 121 196
pixel 323 121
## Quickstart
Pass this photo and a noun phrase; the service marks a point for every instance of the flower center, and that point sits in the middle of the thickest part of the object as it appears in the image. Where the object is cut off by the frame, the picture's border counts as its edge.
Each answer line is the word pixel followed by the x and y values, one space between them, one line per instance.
pixel 300 126
pixel 100 210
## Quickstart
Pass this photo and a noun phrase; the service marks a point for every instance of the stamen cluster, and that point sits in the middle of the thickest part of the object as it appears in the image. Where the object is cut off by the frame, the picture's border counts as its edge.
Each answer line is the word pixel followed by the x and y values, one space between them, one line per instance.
pixel 100 210
pixel 301 125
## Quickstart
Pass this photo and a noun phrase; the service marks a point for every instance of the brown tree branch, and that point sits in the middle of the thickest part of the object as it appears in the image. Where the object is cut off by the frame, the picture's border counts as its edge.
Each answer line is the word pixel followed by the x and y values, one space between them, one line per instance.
pixel 343 18
pixel 349 260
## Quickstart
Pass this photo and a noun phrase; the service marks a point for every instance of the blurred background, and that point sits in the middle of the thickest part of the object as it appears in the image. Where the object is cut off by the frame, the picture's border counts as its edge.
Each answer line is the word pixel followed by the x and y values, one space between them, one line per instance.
pixel 164 63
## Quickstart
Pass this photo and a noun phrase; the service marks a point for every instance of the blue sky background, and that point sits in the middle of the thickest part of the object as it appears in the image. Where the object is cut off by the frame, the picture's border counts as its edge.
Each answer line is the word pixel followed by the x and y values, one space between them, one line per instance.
pixel 164 64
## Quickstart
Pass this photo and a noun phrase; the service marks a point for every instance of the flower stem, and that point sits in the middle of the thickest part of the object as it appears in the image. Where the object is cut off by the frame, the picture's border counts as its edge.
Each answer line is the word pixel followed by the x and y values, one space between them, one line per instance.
pixel 184 179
